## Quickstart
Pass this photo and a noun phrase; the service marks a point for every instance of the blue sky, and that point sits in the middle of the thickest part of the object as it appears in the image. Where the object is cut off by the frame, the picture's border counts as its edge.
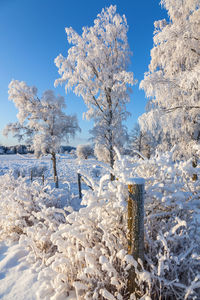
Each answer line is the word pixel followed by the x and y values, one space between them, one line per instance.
pixel 32 35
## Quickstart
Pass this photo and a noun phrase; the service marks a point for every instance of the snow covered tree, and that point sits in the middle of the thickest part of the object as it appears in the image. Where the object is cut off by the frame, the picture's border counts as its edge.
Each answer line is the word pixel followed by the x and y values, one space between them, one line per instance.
pixel 173 81
pixel 96 69
pixel 140 141
pixel 42 122
pixel 84 151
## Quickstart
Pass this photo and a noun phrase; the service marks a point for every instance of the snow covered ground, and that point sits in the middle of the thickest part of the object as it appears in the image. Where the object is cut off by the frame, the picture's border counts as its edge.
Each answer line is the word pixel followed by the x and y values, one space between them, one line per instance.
pixel 17 279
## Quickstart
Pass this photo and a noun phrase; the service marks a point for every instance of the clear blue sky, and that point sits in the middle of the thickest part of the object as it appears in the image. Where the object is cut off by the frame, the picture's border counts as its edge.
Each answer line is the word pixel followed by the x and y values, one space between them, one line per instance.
pixel 32 34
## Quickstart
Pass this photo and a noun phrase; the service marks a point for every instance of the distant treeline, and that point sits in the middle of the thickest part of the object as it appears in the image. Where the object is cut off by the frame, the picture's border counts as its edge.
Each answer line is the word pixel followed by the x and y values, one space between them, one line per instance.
pixel 25 149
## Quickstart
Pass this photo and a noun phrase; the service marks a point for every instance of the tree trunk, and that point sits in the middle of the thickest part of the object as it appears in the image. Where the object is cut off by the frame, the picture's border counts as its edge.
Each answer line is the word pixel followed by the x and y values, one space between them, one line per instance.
pixel 148 152
pixel 54 169
pixel 111 151
pixel 110 133
pixel 140 143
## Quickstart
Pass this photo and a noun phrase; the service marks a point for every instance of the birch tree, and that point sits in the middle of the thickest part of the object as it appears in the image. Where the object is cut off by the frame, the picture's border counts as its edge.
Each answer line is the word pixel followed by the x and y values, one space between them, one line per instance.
pixel 173 81
pixel 42 122
pixel 96 69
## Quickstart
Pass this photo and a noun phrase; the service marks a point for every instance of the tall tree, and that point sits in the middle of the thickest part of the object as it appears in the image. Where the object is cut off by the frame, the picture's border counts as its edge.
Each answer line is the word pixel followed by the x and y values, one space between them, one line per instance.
pixel 42 122
pixel 96 69
pixel 173 81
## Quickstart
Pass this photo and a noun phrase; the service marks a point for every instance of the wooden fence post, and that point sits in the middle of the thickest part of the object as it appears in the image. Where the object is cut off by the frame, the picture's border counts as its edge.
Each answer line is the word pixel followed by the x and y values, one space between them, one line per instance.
pixel 43 179
pixel 56 182
pixel 79 185
pixel 31 175
pixel 135 227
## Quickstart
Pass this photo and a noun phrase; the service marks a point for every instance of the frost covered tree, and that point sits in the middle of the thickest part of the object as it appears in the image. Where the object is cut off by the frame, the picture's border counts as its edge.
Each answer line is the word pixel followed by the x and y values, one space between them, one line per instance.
pixel 140 141
pixel 84 151
pixel 42 122
pixel 96 69
pixel 173 80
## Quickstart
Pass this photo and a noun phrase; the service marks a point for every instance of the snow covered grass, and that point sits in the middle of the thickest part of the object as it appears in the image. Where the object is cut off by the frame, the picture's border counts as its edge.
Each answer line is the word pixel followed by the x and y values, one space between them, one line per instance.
pixel 82 253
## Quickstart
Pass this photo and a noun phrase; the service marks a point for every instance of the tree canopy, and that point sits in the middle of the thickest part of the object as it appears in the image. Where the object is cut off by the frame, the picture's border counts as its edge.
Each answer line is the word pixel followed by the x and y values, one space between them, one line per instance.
pixel 96 70
pixel 173 81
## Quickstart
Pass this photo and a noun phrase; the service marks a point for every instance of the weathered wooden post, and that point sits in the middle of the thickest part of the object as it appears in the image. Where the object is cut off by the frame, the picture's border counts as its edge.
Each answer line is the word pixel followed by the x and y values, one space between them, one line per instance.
pixel 56 182
pixel 135 226
pixel 79 185
pixel 55 175
pixel 43 179
pixel 31 175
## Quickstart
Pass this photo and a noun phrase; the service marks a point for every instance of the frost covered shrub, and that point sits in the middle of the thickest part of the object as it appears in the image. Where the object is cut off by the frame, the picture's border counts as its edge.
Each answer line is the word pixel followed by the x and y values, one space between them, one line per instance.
pixel 84 151
pixel 37 171
pixel 37 237
pixel 91 261
pixel 101 153
pixel 172 236
pixel 172 255
pixel 19 203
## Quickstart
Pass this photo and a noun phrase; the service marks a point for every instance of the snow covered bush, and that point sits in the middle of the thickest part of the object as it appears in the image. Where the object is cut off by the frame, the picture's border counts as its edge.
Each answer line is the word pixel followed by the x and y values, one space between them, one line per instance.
pixel 172 245
pixel 84 151
pixel 36 171
pixel 91 261
pixel 101 153
pixel 36 238
pixel 20 202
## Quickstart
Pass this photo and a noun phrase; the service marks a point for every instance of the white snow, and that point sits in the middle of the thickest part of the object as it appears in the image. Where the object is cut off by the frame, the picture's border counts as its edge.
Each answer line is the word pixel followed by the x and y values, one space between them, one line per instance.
pixel 18 280
pixel 136 180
